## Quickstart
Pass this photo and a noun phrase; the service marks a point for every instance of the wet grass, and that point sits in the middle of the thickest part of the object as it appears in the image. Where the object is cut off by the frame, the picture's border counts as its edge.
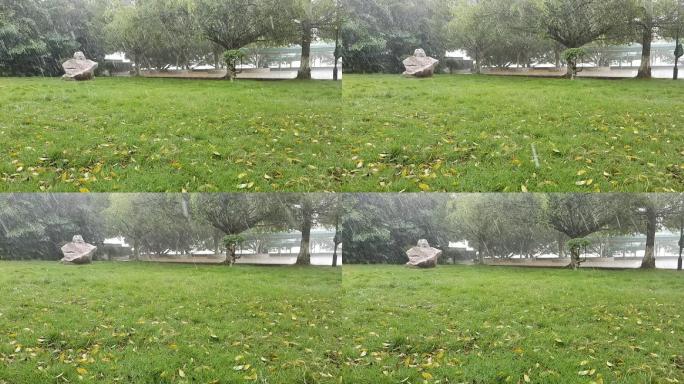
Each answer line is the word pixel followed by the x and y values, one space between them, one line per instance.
pixel 138 323
pixel 156 135
pixel 511 325
pixel 476 133
pixel 373 133
pixel 143 323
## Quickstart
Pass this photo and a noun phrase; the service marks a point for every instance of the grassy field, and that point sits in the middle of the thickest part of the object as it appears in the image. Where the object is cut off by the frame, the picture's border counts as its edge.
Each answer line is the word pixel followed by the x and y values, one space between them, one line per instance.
pixel 475 133
pixel 512 325
pixel 373 133
pixel 155 135
pixel 136 323
pixel 141 323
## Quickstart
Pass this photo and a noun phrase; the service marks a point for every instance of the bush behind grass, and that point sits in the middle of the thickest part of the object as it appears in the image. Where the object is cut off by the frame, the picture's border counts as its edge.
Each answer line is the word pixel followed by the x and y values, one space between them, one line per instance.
pixel 489 325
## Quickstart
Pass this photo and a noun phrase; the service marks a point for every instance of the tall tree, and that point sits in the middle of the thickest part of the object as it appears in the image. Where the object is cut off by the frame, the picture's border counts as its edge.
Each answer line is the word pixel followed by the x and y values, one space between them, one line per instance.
pixel 650 18
pixel 304 211
pixel 675 30
pixel 674 221
pixel 655 211
pixel 312 19
pixel 575 23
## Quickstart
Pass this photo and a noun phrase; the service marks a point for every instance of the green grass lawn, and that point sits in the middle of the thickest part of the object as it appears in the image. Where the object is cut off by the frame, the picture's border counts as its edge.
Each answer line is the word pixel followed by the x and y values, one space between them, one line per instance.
pixel 475 133
pixel 152 135
pixel 137 323
pixel 373 133
pixel 143 323
pixel 511 325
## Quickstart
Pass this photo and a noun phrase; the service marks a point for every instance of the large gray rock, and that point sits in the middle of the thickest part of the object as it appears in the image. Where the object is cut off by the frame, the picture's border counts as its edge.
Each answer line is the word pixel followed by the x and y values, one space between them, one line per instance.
pixel 420 64
pixel 79 68
pixel 78 251
pixel 423 255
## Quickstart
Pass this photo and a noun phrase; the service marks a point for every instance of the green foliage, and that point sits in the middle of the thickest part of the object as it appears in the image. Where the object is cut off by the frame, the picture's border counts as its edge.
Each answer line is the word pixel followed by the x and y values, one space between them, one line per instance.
pixel 578 244
pixel 232 241
pixel 232 57
pixel 158 33
pixel 502 225
pixel 35 226
pixel 498 32
pixel 233 24
pixel 36 36
pixel 574 23
pixel 574 54
pixel 379 228
pixel 379 34
pixel 154 223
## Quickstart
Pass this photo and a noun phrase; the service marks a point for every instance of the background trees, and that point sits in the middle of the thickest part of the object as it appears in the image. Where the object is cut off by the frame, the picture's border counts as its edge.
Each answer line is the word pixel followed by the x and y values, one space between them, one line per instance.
pixel 501 33
pixel 35 226
pixel 501 225
pixel 36 35
pixel 379 34
pixel 379 228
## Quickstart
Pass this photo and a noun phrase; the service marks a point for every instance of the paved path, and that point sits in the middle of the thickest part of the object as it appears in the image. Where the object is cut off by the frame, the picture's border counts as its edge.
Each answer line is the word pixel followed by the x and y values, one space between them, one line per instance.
pixel 659 73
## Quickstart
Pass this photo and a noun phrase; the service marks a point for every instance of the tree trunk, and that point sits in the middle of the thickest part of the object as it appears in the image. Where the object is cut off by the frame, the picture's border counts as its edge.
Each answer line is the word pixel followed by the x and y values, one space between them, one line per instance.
pixel 336 242
pixel 337 48
pixel 675 70
pixel 230 255
pixel 681 245
pixel 561 246
pixel 557 57
pixel 304 257
pixel 571 72
pixel 137 64
pixel 480 253
pixel 136 249
pixel 575 260
pixel 336 245
pixel 217 241
pixel 651 223
pixel 645 68
pixel 304 72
